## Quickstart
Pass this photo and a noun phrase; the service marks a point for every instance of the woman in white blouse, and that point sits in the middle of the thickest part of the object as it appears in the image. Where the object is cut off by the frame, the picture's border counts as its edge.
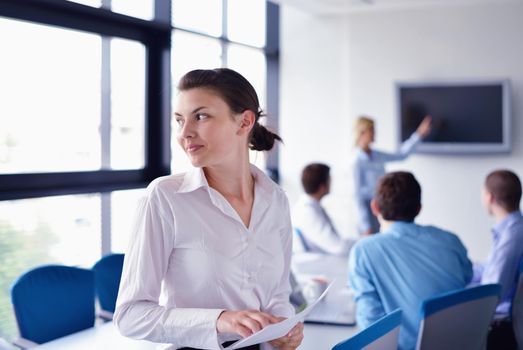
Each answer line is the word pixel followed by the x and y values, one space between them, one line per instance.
pixel 215 242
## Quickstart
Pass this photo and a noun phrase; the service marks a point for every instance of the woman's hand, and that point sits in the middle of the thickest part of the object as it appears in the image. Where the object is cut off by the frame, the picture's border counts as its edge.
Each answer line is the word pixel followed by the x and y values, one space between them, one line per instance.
pixel 424 127
pixel 290 341
pixel 244 323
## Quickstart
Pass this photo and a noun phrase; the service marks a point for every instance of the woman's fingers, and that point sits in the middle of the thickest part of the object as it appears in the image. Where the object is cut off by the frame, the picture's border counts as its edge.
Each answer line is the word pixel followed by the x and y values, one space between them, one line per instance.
pixel 291 341
pixel 263 318
pixel 250 323
pixel 296 330
pixel 244 322
pixel 242 330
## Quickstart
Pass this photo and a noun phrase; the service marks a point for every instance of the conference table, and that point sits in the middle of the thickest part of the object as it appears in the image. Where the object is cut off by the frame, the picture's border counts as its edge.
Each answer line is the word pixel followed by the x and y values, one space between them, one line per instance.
pixel 107 337
pixel 316 336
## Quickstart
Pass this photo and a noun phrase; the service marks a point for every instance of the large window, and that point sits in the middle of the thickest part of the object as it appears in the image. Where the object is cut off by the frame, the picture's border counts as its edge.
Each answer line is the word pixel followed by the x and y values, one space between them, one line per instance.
pixel 49 85
pixel 246 22
pixel 85 115
pixel 51 111
pixel 188 14
pixel 127 146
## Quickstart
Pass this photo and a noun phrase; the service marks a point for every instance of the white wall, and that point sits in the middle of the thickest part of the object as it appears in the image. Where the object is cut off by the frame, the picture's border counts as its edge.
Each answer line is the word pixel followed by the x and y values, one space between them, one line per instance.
pixel 335 68
pixel 314 119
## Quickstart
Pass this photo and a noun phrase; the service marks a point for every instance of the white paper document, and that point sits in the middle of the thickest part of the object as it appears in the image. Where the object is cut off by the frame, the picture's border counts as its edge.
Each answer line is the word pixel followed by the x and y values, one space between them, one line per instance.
pixel 277 330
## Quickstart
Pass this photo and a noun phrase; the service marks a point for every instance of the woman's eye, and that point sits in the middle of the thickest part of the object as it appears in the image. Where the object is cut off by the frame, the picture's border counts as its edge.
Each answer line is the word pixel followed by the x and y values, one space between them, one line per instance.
pixel 201 117
pixel 179 121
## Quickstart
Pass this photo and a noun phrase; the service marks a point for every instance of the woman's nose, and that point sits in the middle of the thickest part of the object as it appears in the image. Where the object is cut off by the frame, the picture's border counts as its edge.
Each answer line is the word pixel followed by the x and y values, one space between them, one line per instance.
pixel 186 130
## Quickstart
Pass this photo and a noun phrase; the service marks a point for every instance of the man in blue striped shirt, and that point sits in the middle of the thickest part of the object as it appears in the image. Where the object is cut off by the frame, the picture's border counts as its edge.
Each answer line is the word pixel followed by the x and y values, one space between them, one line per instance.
pixel 405 264
pixel 502 196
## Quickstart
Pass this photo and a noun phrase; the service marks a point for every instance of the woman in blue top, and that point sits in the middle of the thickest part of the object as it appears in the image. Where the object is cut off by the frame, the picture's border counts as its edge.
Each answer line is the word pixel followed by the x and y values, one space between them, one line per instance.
pixel 369 166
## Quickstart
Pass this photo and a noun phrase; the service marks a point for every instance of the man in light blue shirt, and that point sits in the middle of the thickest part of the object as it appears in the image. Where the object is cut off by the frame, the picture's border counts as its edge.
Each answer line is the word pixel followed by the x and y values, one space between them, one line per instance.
pixel 501 196
pixel 405 264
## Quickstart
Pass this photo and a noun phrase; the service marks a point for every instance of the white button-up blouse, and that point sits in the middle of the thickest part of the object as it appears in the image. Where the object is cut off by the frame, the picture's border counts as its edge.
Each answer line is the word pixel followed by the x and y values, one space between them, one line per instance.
pixel 191 247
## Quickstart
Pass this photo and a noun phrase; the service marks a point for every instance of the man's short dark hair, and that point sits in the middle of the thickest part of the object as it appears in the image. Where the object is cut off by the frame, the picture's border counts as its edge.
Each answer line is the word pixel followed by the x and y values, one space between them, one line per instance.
pixel 313 176
pixel 398 196
pixel 505 187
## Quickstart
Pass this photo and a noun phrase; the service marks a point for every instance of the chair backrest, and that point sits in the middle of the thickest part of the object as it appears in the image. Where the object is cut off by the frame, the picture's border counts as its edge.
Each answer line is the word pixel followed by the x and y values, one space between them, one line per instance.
pixel 458 319
pixel 381 335
pixel 53 301
pixel 517 309
pixel 301 239
pixel 107 274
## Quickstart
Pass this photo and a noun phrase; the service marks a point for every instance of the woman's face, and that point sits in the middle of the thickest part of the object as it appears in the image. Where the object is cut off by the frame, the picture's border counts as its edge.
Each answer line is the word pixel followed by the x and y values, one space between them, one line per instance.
pixel 208 131
pixel 367 137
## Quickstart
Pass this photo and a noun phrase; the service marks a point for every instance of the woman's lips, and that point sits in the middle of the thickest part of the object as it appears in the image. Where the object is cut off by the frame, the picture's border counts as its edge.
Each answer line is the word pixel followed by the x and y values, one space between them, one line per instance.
pixel 193 148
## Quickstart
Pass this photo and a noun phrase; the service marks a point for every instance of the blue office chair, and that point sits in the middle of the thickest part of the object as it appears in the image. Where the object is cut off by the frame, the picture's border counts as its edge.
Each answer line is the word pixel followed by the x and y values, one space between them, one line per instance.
pixel 301 239
pixel 53 301
pixel 517 309
pixel 107 274
pixel 459 319
pixel 381 335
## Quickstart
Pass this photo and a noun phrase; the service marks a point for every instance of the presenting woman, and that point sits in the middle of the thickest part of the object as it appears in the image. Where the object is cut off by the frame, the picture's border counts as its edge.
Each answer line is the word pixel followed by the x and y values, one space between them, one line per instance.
pixel 369 166
pixel 209 258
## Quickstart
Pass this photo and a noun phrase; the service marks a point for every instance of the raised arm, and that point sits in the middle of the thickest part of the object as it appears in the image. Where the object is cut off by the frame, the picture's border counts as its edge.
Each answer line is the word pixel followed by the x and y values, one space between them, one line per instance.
pixel 410 144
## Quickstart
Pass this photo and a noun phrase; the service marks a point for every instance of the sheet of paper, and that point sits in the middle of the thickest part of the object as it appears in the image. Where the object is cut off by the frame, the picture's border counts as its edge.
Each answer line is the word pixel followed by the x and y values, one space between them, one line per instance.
pixel 278 330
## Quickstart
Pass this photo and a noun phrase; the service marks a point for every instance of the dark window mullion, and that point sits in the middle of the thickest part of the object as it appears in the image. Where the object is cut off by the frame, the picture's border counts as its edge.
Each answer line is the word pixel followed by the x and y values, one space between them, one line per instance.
pixel 224 40
pixel 272 28
pixel 105 136
pixel 70 15
pixel 105 120
pixel 158 101
pixel 18 186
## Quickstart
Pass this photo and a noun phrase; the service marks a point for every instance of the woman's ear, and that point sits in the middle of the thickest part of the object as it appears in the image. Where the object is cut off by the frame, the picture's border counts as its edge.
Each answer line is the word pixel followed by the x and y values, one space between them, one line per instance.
pixel 247 120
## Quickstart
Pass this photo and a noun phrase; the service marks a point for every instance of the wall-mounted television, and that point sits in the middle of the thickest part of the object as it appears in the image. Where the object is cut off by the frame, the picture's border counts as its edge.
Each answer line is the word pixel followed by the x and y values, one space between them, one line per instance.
pixel 468 116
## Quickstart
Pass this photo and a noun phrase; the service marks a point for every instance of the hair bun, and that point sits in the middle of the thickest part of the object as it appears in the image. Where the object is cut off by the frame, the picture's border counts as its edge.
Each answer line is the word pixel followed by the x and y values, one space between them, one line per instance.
pixel 262 139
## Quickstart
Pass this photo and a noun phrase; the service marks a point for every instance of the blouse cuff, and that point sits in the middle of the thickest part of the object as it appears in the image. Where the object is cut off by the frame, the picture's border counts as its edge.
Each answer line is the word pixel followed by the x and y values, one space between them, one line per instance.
pixel 197 330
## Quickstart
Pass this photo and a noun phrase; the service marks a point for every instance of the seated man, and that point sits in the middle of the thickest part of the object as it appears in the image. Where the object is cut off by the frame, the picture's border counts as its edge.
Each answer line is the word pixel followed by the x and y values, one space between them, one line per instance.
pixel 308 216
pixel 501 196
pixel 405 264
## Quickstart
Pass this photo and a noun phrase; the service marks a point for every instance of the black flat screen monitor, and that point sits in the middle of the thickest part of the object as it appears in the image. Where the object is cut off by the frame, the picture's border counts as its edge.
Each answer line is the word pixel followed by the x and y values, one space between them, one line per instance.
pixel 468 117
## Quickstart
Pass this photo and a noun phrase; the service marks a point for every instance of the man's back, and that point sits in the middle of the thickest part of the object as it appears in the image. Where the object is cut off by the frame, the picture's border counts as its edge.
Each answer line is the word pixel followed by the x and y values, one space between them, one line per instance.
pixel 502 265
pixel 402 267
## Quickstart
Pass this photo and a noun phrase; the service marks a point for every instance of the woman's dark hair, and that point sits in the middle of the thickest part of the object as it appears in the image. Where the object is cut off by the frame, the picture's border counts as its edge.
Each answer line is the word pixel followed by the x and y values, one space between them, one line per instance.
pixel 505 187
pixel 313 176
pixel 238 93
pixel 398 196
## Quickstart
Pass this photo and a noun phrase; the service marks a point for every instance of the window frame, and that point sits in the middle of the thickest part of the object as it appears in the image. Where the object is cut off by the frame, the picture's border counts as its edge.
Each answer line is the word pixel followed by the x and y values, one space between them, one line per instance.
pixel 155 35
